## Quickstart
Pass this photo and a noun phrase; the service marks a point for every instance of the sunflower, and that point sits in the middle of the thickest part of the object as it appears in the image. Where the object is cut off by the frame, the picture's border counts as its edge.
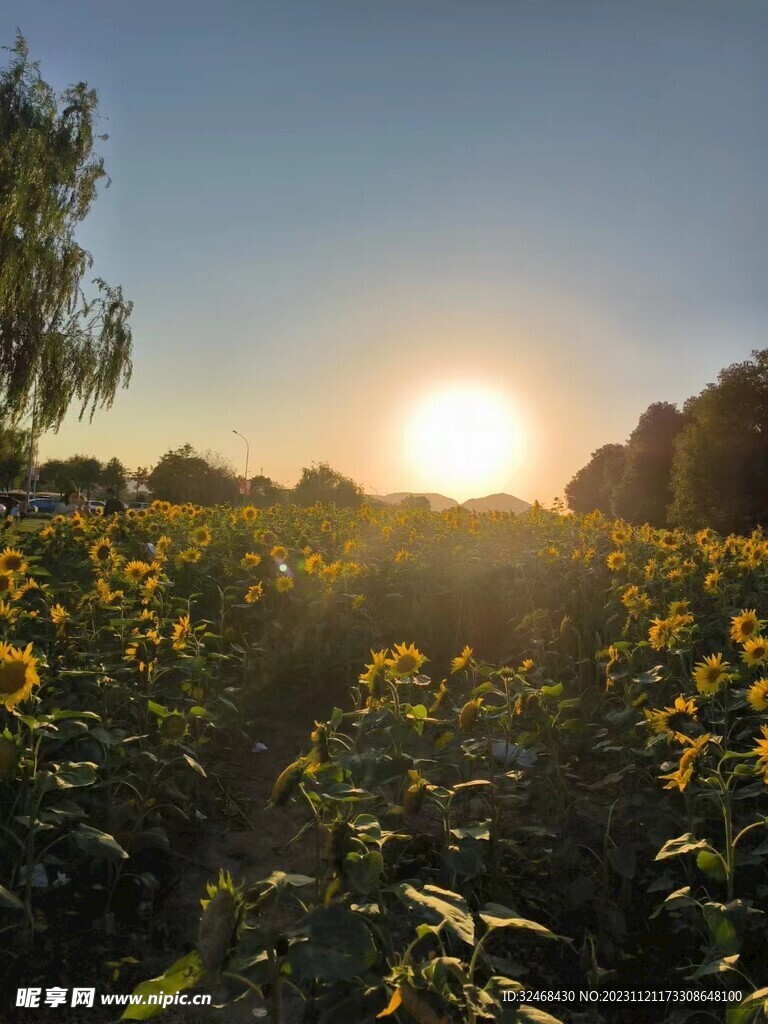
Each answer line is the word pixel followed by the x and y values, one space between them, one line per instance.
pixel 12 560
pixel 705 536
pixel 222 922
pixel 526 666
pixel 757 695
pixel 670 721
pixel 462 661
pixel 18 674
pixel 279 553
pixel 254 593
pixel 405 660
pixel 181 630
pixel 712 581
pixel 635 601
pixel 250 560
pixel 761 749
pixel 136 571
pixel 755 651
pixel 8 614
pixel 711 674
pixel 59 617
pixel 249 514
pixel 374 677
pixel 189 556
pixel 669 542
pixel 101 551
pixel 745 625
pixel 283 584
pixel 202 536
pixel 312 562
pixel 106 595
pixel 688 762
pixel 679 608
pixel 330 572
pixel 616 560
pixel 621 535
pixel 664 632
pixel 469 712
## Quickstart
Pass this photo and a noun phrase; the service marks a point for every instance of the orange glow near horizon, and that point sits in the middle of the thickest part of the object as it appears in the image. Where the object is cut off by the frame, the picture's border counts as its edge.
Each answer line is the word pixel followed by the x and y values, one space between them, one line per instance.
pixel 464 440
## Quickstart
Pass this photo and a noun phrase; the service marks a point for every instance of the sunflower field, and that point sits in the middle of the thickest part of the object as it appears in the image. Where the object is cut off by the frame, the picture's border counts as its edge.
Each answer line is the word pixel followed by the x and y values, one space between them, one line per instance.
pixel 537 781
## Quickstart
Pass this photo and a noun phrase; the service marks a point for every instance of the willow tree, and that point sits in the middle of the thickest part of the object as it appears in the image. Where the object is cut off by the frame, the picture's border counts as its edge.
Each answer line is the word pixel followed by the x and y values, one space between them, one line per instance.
pixel 66 338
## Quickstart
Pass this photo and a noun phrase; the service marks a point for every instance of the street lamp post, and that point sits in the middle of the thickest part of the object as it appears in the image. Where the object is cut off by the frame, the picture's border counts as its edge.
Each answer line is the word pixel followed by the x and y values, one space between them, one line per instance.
pixel 247 456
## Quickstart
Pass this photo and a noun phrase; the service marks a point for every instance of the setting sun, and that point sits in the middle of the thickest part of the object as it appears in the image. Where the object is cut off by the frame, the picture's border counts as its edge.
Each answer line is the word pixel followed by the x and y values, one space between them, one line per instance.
pixel 466 439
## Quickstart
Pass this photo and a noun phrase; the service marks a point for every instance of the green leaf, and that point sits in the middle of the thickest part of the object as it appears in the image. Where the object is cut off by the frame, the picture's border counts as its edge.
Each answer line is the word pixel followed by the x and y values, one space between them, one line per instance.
pixel 721 928
pixel 195 765
pixel 7 899
pixel 749 1009
pixel 724 963
pixel 338 946
pixel 185 973
pixel 552 691
pixel 711 864
pixel 529 1012
pixel 74 774
pixel 686 843
pixel 440 907
pixel 494 915
pixel 99 844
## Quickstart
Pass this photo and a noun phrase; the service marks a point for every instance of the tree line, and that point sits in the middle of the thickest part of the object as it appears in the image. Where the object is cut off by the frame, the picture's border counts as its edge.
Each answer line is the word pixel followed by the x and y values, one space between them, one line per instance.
pixel 702 466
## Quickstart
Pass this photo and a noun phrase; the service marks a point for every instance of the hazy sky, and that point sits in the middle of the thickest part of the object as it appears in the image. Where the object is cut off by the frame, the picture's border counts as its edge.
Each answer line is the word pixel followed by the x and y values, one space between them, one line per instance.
pixel 326 211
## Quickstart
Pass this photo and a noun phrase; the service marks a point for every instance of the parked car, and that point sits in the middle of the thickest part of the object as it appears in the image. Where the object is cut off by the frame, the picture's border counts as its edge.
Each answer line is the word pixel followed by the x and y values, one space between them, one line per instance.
pixel 96 506
pixel 43 506
pixel 9 503
pixel 138 504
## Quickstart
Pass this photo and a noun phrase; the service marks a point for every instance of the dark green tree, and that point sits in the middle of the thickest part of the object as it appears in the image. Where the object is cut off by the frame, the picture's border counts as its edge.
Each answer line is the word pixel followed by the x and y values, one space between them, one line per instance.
pixel 113 474
pixel 53 338
pixel 184 475
pixel 720 466
pixel 415 501
pixel 326 486
pixel 593 487
pixel 644 493
pixel 14 448
pixel 264 492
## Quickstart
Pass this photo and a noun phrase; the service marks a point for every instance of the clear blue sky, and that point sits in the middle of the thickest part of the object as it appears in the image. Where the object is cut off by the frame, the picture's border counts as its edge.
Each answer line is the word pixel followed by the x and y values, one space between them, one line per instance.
pixel 324 211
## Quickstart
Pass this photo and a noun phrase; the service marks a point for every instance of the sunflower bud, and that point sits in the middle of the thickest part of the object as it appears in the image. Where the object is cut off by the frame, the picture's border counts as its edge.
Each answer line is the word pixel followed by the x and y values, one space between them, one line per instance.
pixel 286 783
pixel 338 842
pixel 468 714
pixel 414 794
pixel 319 739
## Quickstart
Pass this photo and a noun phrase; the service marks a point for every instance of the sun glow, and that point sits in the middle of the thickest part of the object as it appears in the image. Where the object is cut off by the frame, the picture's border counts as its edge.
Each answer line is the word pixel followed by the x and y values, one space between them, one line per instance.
pixel 464 440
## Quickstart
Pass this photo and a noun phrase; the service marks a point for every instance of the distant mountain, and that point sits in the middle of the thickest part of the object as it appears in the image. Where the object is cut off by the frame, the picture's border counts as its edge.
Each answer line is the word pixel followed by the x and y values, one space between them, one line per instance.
pixel 439 502
pixel 498 503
